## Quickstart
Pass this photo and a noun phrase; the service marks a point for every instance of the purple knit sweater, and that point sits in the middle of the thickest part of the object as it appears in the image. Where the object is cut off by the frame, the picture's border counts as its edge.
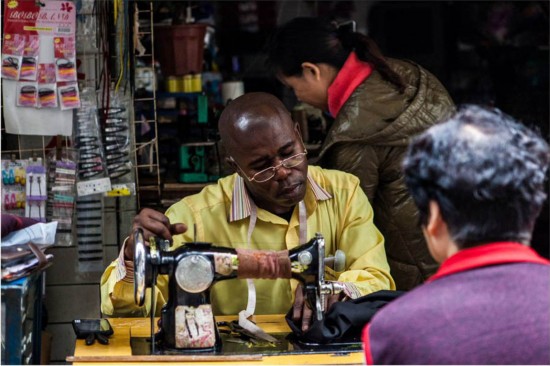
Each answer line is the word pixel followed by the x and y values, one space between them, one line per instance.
pixel 496 313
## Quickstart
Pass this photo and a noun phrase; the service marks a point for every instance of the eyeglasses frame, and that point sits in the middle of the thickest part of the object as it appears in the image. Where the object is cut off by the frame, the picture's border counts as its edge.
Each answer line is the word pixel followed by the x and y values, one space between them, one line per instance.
pixel 274 168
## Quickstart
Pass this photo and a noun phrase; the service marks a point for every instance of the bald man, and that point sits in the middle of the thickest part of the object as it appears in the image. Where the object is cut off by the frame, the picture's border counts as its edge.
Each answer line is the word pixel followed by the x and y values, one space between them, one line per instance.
pixel 273 201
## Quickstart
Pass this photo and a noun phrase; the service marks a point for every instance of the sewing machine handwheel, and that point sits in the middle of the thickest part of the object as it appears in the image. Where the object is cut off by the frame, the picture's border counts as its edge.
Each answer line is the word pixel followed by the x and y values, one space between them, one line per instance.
pixel 140 256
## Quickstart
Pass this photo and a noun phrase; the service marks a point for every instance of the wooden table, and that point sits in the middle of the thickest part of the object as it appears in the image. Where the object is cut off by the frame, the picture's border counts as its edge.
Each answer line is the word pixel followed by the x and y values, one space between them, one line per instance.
pixel 119 351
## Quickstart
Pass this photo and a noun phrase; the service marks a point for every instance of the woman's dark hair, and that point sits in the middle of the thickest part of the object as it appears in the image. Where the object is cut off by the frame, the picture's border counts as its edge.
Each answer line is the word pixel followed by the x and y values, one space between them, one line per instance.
pixel 316 40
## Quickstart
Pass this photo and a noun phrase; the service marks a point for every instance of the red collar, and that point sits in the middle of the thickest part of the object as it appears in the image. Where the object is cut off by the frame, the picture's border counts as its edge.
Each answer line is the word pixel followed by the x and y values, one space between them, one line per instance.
pixel 348 79
pixel 487 255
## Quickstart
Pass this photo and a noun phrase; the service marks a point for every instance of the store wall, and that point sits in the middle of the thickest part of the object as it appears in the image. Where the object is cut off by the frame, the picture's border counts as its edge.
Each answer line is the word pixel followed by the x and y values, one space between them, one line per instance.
pixel 74 293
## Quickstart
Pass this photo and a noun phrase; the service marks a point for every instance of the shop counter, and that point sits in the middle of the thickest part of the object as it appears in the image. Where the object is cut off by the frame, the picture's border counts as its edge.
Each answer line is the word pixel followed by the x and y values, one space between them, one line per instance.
pixel 119 350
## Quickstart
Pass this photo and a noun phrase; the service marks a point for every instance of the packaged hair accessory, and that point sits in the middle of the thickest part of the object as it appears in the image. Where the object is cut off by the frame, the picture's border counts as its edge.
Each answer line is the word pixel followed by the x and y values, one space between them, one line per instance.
pixel 29 62
pixel 65 59
pixel 47 95
pixel 12 53
pixel 27 94
pixel 11 66
pixel 69 98
pixel 29 68
pixel 46 73
pixel 36 192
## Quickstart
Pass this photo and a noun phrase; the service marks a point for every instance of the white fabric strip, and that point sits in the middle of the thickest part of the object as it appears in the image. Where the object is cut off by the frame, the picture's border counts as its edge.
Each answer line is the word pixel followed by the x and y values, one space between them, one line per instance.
pixel 244 315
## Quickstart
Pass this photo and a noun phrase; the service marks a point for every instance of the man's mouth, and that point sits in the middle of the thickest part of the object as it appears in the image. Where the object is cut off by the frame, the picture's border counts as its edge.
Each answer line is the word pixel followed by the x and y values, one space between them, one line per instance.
pixel 290 190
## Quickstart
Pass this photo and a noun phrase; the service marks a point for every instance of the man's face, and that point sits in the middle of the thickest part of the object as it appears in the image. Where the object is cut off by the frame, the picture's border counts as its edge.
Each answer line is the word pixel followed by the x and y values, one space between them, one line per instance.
pixel 267 145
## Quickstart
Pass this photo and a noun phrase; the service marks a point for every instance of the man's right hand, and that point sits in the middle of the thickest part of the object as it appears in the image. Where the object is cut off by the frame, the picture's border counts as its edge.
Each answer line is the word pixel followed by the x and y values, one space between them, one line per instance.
pixel 153 223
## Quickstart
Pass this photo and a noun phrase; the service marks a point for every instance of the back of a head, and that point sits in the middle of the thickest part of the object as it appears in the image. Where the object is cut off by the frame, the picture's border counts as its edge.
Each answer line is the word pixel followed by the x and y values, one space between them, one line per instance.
pixel 320 41
pixel 304 39
pixel 487 173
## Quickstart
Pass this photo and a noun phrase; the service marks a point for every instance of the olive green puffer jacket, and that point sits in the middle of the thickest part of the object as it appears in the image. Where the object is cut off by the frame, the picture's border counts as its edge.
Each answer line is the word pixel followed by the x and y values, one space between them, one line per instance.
pixel 369 138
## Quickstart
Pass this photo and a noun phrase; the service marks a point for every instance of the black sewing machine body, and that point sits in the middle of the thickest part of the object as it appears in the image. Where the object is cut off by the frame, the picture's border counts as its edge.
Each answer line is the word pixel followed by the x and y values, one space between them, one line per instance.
pixel 202 257
pixel 187 322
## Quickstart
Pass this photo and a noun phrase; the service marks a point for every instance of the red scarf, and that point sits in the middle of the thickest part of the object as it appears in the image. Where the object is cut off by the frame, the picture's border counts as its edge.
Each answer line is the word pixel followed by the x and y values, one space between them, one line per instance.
pixel 353 73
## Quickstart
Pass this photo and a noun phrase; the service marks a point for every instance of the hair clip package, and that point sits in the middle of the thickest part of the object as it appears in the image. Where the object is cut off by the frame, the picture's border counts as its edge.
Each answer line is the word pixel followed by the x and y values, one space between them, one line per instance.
pixel 29 62
pixel 62 170
pixel 116 135
pixel 27 94
pixel 36 192
pixel 65 59
pixel 13 201
pixel 91 162
pixel 116 142
pixel 13 186
pixel 89 227
pixel 47 96
pixel 13 173
pixel 12 54
pixel 69 97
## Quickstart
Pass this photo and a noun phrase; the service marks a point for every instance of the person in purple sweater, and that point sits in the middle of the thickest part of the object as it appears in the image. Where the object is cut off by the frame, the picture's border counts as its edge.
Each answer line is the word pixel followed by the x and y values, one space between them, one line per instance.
pixel 479 183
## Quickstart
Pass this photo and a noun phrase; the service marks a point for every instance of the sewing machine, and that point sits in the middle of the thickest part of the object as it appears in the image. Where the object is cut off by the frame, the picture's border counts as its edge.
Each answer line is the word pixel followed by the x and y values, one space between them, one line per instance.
pixel 187 322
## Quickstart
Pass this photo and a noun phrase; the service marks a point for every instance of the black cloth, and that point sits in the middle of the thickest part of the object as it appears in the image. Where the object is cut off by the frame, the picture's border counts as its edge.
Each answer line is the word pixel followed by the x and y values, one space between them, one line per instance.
pixel 345 320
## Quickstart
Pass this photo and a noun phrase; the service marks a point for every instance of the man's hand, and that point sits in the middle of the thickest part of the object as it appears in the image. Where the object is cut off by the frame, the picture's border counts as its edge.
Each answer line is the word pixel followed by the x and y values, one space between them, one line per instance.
pixel 302 311
pixel 153 223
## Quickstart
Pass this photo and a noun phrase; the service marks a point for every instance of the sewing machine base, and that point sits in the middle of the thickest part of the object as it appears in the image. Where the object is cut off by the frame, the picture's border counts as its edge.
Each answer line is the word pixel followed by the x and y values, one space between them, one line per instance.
pixel 287 345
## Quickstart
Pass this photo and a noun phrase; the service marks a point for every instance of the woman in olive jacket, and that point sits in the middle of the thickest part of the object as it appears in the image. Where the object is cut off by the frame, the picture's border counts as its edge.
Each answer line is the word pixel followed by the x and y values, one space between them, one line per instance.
pixel 378 105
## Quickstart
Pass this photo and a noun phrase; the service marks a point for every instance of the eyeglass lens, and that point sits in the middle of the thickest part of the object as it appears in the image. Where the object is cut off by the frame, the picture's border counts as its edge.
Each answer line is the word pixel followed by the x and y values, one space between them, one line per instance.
pixel 269 173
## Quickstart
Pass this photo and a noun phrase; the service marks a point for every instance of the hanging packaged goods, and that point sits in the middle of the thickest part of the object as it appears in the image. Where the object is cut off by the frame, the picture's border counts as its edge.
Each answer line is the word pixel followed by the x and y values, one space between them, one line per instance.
pixel 39 68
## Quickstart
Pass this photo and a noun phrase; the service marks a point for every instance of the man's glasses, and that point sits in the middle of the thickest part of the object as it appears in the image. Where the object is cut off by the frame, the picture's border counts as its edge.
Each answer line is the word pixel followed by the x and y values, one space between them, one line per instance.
pixel 268 173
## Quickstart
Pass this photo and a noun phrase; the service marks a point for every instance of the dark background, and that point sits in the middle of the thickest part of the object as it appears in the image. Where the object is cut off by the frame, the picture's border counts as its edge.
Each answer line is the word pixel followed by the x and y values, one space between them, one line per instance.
pixel 486 52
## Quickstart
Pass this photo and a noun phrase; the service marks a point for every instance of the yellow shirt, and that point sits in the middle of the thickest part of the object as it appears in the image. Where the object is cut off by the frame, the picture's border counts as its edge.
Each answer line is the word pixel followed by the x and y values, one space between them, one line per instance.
pixel 336 207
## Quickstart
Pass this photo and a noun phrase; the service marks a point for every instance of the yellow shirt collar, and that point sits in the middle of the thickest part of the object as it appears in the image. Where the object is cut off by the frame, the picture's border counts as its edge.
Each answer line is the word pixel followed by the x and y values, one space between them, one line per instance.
pixel 240 202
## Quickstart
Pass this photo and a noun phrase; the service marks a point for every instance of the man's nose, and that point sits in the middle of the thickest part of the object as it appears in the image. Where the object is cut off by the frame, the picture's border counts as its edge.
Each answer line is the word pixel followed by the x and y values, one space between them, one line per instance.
pixel 281 172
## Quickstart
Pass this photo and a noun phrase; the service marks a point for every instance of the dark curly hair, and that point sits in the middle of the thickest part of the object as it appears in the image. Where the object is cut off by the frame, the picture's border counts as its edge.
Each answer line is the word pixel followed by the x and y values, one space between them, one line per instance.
pixel 486 172
pixel 316 40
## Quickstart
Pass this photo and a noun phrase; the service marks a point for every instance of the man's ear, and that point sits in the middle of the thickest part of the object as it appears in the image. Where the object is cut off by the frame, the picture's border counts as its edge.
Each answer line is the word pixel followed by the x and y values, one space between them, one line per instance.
pixel 311 70
pixel 435 220
pixel 438 238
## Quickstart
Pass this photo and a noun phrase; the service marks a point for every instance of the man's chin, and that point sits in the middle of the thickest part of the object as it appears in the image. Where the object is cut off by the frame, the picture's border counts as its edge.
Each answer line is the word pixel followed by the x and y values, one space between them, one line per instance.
pixel 292 197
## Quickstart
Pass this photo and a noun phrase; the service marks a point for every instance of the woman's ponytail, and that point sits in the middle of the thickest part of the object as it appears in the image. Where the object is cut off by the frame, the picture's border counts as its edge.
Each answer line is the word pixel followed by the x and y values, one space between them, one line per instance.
pixel 367 50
